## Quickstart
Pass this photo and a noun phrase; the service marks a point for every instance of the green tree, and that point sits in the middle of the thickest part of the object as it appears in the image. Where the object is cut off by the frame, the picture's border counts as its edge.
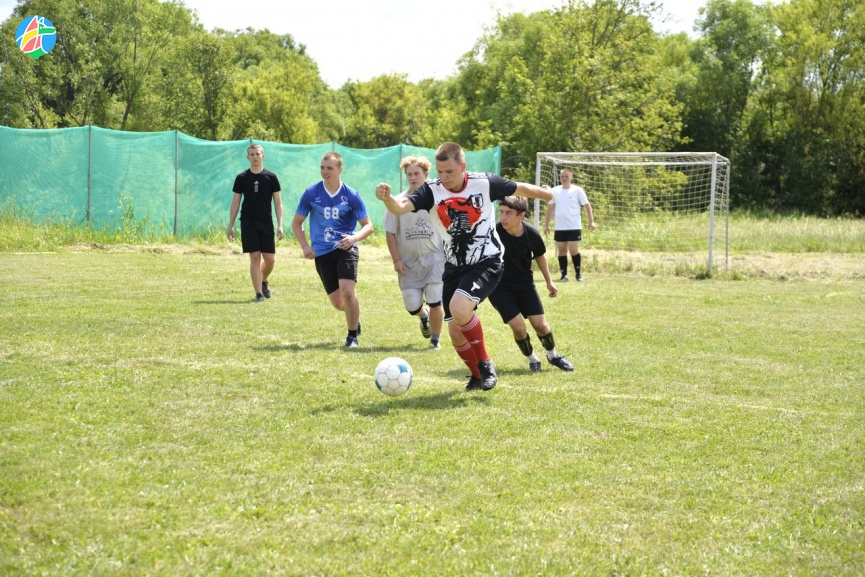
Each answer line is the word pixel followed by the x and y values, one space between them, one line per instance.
pixel 806 116
pixel 583 77
pixel 388 110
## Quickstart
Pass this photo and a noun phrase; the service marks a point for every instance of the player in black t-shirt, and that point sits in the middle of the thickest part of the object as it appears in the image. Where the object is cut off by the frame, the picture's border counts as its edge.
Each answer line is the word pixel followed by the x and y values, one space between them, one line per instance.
pixel 515 296
pixel 258 187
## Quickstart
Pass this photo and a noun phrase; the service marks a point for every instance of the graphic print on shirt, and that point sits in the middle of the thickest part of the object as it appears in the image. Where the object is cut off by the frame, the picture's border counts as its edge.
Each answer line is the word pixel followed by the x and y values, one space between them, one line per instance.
pixel 462 219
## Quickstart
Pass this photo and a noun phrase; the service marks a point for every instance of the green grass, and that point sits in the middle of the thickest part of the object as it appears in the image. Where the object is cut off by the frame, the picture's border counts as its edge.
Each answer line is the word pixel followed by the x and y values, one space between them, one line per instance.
pixel 153 421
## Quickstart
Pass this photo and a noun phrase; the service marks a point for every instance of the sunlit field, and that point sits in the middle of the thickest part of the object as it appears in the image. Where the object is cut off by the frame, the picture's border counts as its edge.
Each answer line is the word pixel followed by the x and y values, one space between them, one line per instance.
pixel 154 421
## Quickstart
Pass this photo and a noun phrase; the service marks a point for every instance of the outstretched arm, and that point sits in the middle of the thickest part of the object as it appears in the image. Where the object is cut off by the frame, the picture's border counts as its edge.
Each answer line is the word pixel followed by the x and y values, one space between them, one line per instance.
pixel 527 190
pixel 393 205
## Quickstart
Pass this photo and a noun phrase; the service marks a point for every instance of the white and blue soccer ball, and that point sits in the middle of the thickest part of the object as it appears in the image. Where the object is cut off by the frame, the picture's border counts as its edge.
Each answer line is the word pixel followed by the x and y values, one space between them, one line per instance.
pixel 393 376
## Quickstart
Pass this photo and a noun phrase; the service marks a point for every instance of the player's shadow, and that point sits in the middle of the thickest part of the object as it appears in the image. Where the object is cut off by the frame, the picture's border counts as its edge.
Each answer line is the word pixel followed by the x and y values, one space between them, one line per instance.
pixel 223 302
pixel 435 402
pixel 298 348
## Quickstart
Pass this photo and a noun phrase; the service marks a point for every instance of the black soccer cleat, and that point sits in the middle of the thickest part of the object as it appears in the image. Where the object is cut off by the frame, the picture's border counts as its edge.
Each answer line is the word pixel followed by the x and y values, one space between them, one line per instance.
pixel 424 326
pixel 562 363
pixel 474 384
pixel 265 290
pixel 488 374
pixel 351 342
pixel 534 366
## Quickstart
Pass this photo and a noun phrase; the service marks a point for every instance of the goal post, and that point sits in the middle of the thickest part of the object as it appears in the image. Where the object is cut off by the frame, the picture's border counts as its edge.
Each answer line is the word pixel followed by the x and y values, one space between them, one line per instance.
pixel 676 202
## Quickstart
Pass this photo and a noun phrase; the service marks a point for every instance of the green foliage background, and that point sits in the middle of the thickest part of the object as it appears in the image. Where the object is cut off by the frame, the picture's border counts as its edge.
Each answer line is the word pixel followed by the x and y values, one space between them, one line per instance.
pixel 776 87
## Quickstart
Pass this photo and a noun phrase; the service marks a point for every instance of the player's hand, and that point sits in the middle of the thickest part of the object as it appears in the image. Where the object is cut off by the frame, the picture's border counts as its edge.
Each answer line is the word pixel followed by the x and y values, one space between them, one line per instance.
pixel 308 252
pixel 592 225
pixel 547 230
pixel 230 234
pixel 279 234
pixel 382 191
pixel 346 242
pixel 552 289
pixel 399 266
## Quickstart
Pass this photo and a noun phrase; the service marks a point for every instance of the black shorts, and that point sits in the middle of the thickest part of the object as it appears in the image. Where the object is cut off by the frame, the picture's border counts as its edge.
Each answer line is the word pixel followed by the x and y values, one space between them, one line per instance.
pixel 568 235
pixel 257 236
pixel 337 264
pixel 476 281
pixel 510 302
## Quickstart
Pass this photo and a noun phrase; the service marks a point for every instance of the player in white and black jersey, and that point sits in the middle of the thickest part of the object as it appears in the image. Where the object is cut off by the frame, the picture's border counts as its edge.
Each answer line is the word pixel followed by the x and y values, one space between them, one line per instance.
pixel 461 206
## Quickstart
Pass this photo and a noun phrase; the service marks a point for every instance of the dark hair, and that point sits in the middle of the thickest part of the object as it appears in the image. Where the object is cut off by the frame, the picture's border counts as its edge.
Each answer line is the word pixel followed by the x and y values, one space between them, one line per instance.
pixel 450 150
pixel 516 203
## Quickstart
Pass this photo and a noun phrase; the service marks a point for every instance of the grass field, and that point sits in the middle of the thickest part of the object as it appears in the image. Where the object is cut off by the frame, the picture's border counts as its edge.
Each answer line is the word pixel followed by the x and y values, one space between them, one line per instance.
pixel 153 421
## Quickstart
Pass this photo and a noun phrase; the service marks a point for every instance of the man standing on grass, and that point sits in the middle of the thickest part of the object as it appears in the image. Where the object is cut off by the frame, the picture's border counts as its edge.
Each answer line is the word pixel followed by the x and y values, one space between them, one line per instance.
pixel 461 204
pixel 567 204
pixel 258 187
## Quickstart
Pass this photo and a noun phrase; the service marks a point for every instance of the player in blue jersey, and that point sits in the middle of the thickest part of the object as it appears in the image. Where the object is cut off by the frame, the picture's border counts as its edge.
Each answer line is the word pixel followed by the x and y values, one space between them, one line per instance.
pixel 334 210
pixel 461 206
pixel 258 188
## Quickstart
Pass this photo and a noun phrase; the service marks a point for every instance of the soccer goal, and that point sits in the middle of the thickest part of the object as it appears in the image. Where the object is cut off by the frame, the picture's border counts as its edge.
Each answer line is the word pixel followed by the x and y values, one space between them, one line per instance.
pixel 650 201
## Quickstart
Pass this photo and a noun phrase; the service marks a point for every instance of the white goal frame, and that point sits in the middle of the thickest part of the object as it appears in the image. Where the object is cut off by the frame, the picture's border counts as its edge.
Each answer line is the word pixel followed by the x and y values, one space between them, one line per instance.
pixel 653 201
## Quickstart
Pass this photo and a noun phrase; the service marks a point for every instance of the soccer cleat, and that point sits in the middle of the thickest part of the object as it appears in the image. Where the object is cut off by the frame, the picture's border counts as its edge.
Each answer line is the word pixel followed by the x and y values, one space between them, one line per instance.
pixel 351 342
pixel 535 366
pixel 265 290
pixel 562 363
pixel 564 278
pixel 488 374
pixel 259 298
pixel 474 384
pixel 579 278
pixel 424 325
pixel 434 345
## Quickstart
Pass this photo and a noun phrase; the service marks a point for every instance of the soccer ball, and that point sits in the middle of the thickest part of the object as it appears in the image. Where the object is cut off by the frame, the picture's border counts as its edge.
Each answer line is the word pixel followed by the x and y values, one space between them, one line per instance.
pixel 393 376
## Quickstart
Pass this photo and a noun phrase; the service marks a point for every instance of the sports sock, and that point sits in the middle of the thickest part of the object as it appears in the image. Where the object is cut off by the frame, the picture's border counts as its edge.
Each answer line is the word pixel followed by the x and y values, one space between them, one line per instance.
pixel 353 333
pixel 467 354
pixel 525 346
pixel 578 261
pixel 549 344
pixel 563 265
pixel 474 333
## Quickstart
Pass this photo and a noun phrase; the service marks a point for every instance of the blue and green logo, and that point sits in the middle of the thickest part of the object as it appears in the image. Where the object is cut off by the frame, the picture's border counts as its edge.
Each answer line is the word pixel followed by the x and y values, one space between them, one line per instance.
pixel 35 36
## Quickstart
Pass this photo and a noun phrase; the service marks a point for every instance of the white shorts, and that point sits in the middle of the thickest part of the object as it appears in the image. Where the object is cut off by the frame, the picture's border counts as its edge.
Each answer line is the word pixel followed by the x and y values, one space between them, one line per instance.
pixel 413 299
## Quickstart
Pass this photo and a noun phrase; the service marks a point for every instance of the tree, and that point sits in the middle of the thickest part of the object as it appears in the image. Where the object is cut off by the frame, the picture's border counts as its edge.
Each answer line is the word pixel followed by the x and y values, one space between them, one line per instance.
pixel 388 110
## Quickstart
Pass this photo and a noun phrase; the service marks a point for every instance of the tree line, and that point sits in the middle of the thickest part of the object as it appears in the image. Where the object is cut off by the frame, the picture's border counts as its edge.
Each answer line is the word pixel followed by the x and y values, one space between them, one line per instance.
pixel 779 89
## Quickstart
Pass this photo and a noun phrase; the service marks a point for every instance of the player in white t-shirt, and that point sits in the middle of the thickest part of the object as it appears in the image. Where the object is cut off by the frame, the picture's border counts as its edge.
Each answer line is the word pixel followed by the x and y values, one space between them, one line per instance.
pixel 418 257
pixel 567 204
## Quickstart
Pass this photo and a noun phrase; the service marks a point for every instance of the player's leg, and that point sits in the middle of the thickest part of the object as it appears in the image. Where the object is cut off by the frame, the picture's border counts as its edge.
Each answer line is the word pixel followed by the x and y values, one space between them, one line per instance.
pixel 450 282
pixel 255 273
pixel 268 260
pixel 475 284
pixel 412 299
pixel 506 303
pixel 348 262
pixel 251 243
pixel 433 294
pixel 574 251
pixel 545 334
pixel 560 237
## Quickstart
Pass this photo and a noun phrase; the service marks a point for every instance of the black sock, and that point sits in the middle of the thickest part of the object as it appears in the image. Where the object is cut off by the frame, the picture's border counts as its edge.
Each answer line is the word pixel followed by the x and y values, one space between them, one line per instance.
pixel 352 333
pixel 563 265
pixel 578 261
pixel 525 346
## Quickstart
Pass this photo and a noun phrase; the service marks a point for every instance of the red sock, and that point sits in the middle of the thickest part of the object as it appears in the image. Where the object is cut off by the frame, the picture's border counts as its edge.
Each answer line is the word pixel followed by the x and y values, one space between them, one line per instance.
pixel 474 332
pixel 467 354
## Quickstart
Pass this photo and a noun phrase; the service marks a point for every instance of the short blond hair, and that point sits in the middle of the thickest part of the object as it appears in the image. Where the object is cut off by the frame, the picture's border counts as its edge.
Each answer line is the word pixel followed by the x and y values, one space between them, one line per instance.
pixel 420 161
pixel 334 155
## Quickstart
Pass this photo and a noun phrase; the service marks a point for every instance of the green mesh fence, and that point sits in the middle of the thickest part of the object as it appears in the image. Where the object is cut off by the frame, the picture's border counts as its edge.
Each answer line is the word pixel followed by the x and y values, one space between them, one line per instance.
pixel 173 181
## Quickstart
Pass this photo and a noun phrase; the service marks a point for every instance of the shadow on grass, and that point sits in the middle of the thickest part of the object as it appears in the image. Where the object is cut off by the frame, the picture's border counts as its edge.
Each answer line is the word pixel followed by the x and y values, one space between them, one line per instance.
pixel 224 302
pixel 435 402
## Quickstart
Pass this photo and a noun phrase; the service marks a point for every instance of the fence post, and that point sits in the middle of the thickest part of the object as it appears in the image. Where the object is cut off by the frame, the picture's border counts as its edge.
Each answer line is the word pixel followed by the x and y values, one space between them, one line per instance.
pixel 89 172
pixel 176 187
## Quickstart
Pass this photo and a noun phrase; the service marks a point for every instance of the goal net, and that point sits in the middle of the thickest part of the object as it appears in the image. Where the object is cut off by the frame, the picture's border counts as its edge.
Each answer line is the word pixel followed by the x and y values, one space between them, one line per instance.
pixel 649 201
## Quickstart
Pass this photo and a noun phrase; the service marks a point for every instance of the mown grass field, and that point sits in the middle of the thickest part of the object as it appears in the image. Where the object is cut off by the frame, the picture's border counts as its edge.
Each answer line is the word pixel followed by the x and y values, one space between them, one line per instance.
pixel 153 421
